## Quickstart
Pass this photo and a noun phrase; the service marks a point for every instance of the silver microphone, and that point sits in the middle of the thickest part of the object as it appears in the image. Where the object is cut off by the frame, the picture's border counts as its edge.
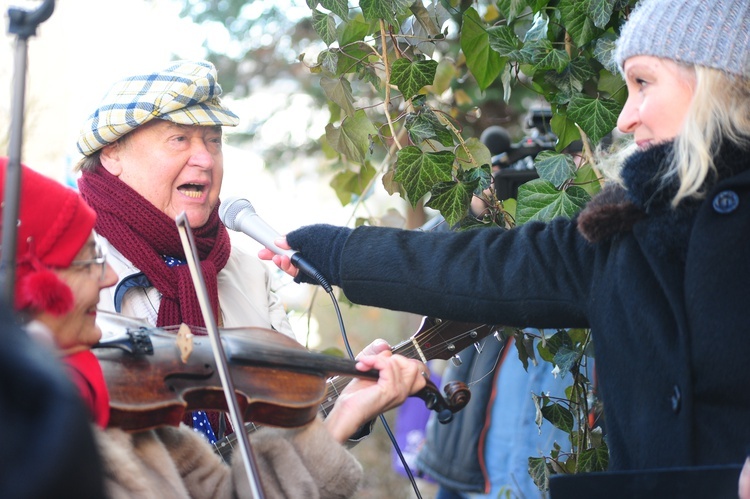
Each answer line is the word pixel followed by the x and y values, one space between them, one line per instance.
pixel 239 215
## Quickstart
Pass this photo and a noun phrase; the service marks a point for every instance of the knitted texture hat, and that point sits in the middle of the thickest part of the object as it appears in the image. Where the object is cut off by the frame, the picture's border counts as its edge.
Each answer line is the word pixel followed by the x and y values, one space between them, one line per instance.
pixel 714 34
pixel 185 92
pixel 54 224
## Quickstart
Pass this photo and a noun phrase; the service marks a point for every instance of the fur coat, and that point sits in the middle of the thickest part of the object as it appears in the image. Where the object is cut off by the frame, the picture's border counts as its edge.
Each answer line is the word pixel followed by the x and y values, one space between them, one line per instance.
pixel 175 463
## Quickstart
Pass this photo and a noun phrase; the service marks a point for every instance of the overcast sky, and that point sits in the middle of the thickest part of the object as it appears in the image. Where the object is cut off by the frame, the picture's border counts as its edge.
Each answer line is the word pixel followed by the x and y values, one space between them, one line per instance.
pixel 76 54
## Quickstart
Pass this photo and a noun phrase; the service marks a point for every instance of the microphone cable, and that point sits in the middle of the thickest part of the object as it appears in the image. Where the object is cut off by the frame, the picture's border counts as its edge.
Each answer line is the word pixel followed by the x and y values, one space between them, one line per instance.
pixel 315 274
pixel 380 416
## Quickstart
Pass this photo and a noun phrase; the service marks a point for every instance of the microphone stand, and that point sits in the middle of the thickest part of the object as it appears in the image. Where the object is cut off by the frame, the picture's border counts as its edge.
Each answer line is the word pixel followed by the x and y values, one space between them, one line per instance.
pixel 23 24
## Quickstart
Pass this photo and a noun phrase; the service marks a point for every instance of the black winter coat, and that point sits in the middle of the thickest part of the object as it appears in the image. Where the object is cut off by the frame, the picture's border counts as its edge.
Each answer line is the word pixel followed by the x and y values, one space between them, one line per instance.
pixel 666 294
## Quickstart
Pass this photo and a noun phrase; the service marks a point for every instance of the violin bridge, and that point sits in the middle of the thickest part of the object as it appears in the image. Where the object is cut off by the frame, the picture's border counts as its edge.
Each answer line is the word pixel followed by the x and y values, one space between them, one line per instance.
pixel 185 342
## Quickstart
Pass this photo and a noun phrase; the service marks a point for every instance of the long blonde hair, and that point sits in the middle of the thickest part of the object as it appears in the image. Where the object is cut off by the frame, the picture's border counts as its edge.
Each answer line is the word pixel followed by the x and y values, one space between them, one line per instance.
pixel 719 111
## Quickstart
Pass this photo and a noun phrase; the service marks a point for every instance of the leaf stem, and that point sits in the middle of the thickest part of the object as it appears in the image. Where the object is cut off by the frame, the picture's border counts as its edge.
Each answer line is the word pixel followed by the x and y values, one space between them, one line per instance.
pixel 387 102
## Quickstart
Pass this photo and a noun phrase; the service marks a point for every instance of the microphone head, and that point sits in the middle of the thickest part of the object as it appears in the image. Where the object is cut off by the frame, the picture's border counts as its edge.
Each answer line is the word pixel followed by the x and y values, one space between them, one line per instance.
pixel 230 208
pixel 497 140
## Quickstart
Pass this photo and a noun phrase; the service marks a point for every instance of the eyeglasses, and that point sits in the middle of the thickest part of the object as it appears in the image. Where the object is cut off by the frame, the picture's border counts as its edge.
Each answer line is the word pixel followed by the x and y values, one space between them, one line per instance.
pixel 91 265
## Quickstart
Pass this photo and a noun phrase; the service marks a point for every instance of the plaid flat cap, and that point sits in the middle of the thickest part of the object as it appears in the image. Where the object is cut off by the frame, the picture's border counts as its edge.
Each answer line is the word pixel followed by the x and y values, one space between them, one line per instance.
pixel 186 92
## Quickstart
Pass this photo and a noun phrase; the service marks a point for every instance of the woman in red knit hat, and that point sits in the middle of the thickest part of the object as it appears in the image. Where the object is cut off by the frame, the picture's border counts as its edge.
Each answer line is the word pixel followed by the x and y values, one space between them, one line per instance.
pixel 60 271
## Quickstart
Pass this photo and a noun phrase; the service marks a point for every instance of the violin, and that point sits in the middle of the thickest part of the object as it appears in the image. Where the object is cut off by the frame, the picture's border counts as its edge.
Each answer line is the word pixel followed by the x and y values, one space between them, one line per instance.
pixel 156 374
pixel 435 339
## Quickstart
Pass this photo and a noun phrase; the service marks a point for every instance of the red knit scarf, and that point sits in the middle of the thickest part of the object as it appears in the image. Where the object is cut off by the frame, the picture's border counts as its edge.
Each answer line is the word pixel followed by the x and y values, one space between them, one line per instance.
pixel 142 233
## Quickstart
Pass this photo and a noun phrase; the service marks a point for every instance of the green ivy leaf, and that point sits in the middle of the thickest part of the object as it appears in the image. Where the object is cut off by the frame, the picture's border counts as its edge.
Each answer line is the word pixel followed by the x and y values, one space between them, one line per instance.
pixel 368 74
pixel 597 437
pixel 538 29
pixel 597 117
pixel 538 403
pixel 419 102
pixel 549 347
pixel 481 177
pixel 391 186
pixel 338 7
pixel 613 85
pixel 525 347
pixel 354 30
pixel 560 416
pixel 418 171
pixel 600 11
pixel 565 359
pixel 509 206
pixel 352 57
pixel 511 8
pixel 538 5
pixel 325 26
pixel 505 78
pixel 556 60
pixel 596 459
pixel 564 129
pixel 328 60
pixel 577 22
pixel 604 50
pixel 504 41
pixel 571 79
pixel 444 74
pixel 539 200
pixel 533 52
pixel 452 200
pixel 425 126
pixel 578 335
pixel 479 152
pixel 352 138
pixel 388 10
pixel 340 92
pixel 524 355
pixel 540 472
pixel 350 184
pixel 587 180
pixel 554 167
pixel 483 62
pixel 410 76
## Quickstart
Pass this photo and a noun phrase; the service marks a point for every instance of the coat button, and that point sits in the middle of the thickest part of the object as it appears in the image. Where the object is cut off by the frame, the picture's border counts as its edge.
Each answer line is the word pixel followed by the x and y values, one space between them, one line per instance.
pixel 726 202
pixel 676 399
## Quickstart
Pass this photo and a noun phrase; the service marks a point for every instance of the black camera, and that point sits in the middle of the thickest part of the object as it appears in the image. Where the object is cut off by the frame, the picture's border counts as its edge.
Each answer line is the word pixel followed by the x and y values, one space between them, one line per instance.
pixel 515 162
pixel 520 156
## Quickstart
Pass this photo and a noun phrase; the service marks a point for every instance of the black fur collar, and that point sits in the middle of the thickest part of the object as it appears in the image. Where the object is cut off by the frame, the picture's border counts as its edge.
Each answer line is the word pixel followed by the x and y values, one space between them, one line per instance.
pixel 616 210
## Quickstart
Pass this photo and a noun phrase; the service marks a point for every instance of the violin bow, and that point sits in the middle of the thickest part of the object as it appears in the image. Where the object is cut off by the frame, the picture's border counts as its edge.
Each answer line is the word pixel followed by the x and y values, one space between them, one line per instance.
pixel 193 261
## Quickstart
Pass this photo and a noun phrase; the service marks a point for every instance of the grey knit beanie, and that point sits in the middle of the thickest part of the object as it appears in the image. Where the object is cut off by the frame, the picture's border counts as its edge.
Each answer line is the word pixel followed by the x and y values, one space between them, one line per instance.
pixel 711 33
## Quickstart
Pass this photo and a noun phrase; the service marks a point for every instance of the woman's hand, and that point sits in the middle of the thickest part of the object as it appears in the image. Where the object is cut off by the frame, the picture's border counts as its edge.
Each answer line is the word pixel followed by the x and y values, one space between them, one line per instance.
pixel 281 261
pixel 364 399
pixel 322 247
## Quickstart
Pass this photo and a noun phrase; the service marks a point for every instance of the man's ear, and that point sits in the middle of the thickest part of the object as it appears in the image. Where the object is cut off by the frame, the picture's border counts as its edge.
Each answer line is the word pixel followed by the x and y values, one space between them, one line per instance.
pixel 110 158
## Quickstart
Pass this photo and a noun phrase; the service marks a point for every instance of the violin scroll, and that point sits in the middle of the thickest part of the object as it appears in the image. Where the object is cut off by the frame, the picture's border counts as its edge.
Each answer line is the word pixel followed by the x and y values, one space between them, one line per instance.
pixel 458 396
